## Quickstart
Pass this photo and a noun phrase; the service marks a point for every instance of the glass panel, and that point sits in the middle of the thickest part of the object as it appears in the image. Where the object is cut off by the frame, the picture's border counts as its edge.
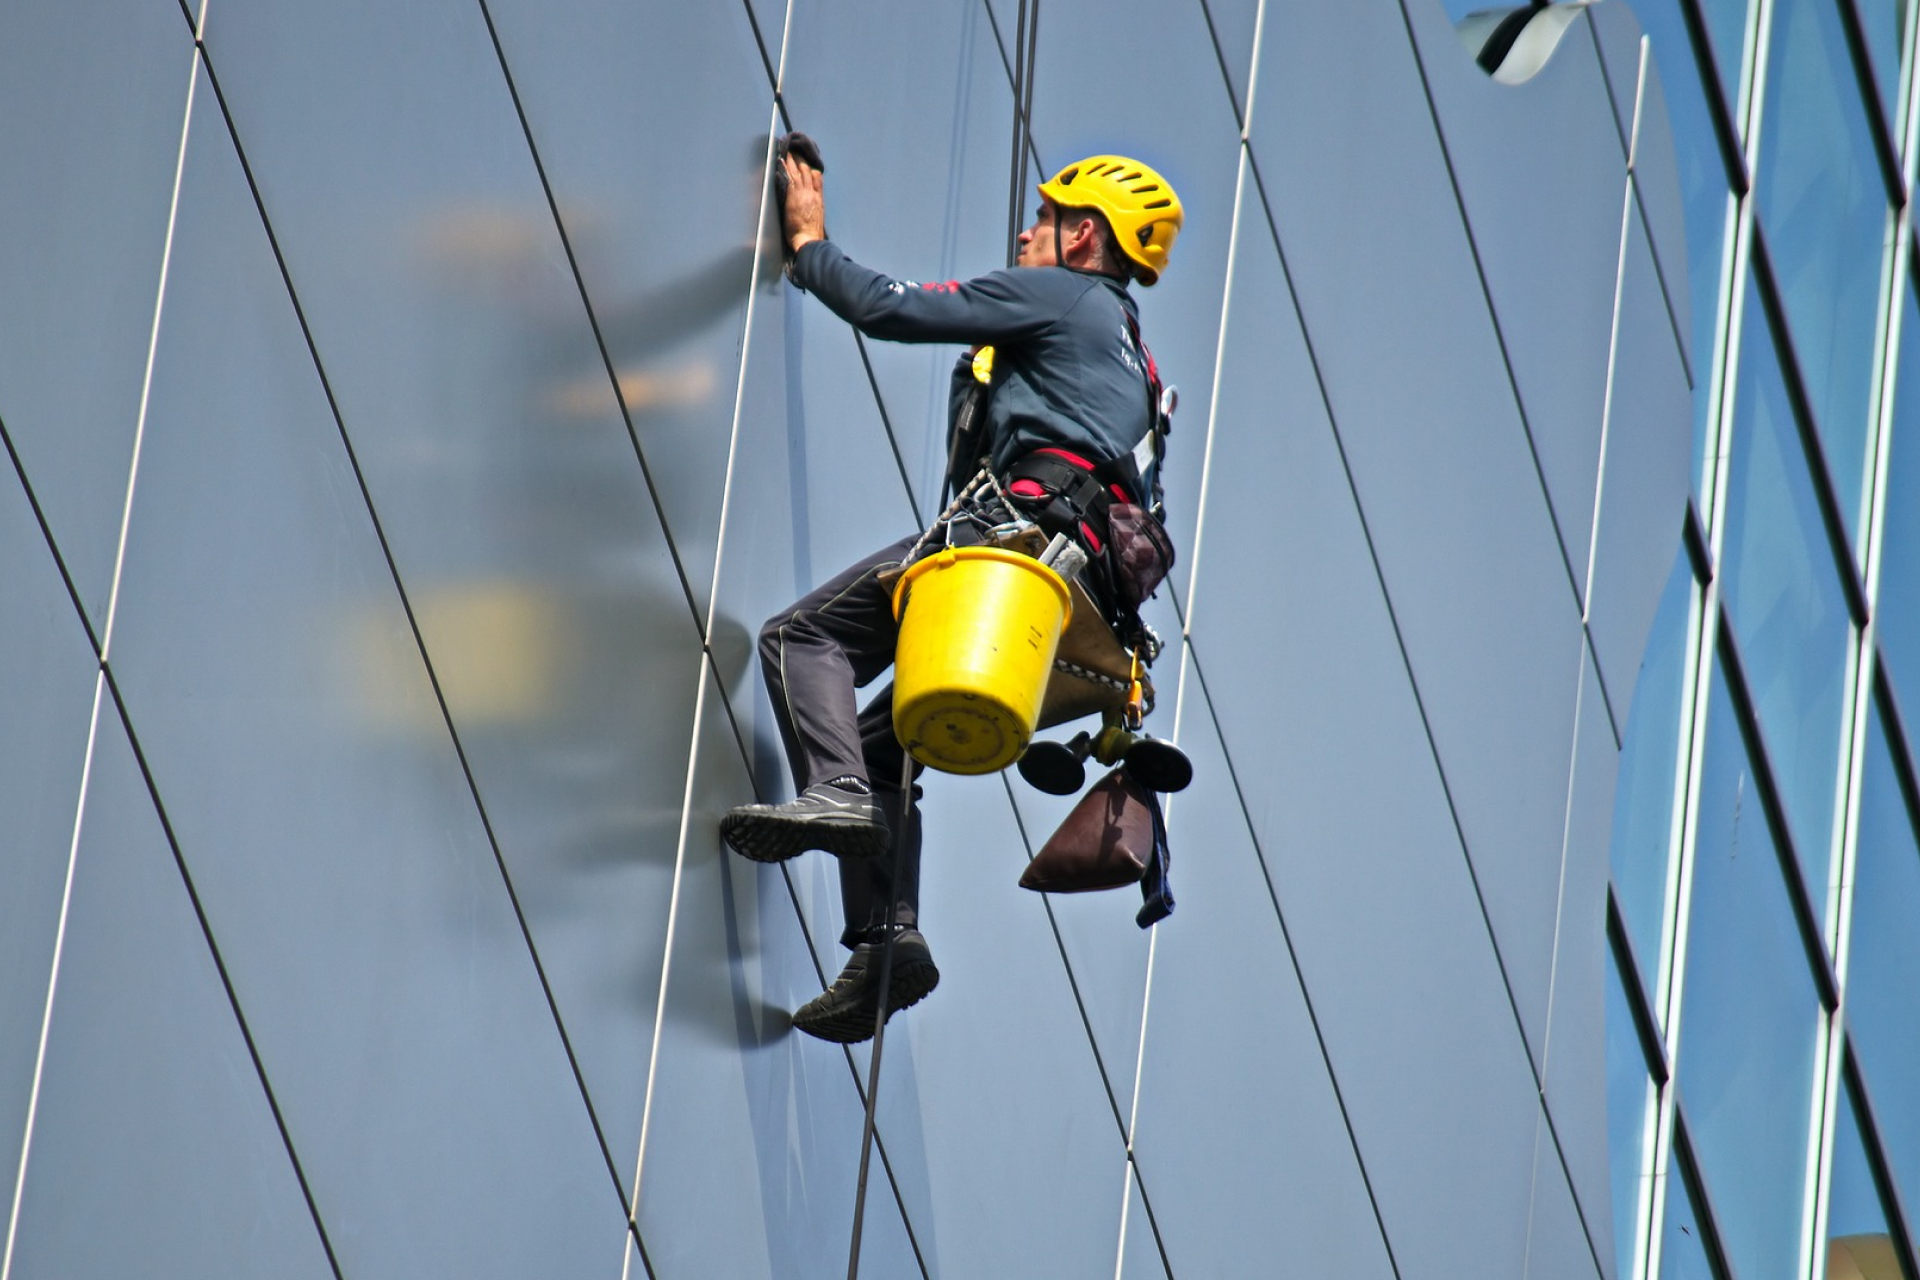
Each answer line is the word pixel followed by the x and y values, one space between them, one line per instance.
pixel 148 1087
pixel 1649 760
pixel 1747 1032
pixel 1885 22
pixel 1824 208
pixel 1785 600
pixel 1629 1089
pixel 1727 30
pixel 1683 1246
pixel 1703 189
pixel 1897 606
pixel 1883 964
pixel 1858 1242
pixel 93 97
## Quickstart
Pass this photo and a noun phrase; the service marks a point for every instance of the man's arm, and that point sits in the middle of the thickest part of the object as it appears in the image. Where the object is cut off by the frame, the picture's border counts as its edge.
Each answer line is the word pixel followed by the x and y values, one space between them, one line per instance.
pixel 1002 307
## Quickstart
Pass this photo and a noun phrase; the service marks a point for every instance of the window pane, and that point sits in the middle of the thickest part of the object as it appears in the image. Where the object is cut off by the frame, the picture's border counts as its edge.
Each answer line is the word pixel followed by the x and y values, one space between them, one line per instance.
pixel 1885 22
pixel 1783 591
pixel 1703 189
pixel 1629 1089
pixel 1883 963
pixel 1727 28
pixel 1858 1243
pixel 1683 1247
pixel 1649 757
pixel 1897 609
pixel 1749 1015
pixel 1824 208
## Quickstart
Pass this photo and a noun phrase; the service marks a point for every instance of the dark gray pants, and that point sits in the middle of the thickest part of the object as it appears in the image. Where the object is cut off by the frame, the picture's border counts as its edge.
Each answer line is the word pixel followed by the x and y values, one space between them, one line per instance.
pixel 837 638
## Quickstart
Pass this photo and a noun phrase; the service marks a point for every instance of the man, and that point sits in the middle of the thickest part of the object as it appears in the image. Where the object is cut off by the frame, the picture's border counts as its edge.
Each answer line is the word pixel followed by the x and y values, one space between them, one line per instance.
pixel 1072 394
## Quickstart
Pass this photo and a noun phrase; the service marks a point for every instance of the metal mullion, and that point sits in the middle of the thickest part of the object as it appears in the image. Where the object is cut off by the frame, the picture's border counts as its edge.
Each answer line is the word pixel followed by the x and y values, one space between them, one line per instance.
pixel 1877 1164
pixel 1725 114
pixel 1681 1149
pixel 1905 767
pixel 1639 999
pixel 1819 1162
pixel 1896 285
pixel 1826 494
pixel 1906 103
pixel 1753 82
pixel 1886 146
pixel 1675 931
pixel 1785 850
pixel 1653 1057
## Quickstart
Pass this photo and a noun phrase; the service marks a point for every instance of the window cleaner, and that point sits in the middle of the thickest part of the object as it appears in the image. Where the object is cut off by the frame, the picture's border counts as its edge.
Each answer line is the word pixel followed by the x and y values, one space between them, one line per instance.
pixel 1052 419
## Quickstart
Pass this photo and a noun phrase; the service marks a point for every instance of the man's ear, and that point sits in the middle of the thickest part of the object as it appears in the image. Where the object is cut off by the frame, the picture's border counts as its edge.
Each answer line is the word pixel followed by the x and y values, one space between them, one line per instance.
pixel 1081 236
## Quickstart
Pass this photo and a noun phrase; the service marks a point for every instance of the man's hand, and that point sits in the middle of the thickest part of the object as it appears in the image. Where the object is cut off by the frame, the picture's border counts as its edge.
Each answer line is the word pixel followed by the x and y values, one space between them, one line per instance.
pixel 806 212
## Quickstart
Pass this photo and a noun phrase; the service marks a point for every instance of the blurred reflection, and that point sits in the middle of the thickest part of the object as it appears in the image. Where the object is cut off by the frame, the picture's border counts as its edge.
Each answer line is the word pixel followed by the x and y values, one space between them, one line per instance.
pixel 1512 43
pixel 549 631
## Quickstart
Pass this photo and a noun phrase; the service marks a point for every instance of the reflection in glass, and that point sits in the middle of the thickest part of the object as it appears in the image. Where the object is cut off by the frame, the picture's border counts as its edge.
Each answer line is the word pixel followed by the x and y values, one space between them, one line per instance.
pixel 1683 1245
pixel 1858 1244
pixel 1748 1021
pixel 1629 1089
pixel 1649 758
pixel 1703 190
pixel 1824 209
pixel 1784 595
pixel 1883 962
pixel 1897 609
pixel 1513 43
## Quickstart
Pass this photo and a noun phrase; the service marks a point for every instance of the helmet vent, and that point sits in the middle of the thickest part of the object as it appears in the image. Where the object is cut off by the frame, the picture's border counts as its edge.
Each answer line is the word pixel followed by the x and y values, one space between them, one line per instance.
pixel 1157 204
pixel 1066 179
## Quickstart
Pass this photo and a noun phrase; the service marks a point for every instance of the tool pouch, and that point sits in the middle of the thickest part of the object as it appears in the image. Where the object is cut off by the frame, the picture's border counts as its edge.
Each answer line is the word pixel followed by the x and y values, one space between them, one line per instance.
pixel 1140 552
pixel 1105 842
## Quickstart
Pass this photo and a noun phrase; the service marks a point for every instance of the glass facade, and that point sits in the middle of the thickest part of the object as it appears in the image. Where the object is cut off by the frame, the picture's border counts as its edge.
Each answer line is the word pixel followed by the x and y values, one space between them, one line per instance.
pixel 1771 952
pixel 407 427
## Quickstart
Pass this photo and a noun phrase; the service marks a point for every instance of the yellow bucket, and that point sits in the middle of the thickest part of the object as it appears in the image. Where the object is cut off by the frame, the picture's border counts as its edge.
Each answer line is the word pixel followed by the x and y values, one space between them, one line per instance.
pixel 977 639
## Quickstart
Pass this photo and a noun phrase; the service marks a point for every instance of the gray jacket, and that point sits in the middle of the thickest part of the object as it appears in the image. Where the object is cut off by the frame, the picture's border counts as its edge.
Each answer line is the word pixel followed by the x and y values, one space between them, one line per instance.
pixel 1068 370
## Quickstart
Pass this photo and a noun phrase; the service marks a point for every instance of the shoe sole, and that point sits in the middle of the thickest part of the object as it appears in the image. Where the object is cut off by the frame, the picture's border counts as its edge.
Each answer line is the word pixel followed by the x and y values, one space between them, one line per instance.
pixel 908 984
pixel 772 837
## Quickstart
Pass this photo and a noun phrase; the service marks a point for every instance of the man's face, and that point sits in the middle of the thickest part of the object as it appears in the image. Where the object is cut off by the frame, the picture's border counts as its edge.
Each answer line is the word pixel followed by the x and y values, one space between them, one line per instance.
pixel 1037 247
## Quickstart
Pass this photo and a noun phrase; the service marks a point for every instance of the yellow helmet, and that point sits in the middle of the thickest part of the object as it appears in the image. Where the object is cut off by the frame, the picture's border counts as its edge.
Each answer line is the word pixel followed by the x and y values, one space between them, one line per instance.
pixel 1139 205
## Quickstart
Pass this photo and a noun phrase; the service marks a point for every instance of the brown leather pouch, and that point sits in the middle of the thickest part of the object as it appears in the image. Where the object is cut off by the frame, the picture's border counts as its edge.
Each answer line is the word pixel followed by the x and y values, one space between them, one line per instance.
pixel 1104 843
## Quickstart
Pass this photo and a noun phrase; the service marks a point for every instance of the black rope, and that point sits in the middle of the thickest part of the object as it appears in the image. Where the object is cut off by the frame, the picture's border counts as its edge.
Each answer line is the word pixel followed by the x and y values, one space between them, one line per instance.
pixel 1014 209
pixel 1025 114
pixel 880 1018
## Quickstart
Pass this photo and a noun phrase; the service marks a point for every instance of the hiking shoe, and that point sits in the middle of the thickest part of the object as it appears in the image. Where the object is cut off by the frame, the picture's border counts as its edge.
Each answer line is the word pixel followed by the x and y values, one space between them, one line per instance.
pixel 844 823
pixel 845 1012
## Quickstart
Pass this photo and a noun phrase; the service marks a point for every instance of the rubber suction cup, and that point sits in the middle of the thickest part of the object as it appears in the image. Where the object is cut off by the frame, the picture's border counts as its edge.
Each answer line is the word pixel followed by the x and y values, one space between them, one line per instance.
pixel 1057 768
pixel 1159 765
